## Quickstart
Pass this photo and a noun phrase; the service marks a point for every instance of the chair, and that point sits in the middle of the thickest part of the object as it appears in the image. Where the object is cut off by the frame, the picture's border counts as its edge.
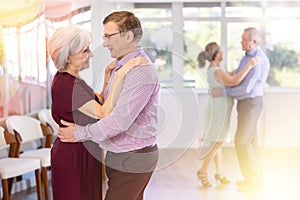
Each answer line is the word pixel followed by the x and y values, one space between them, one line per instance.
pixel 12 167
pixel 29 129
pixel 49 126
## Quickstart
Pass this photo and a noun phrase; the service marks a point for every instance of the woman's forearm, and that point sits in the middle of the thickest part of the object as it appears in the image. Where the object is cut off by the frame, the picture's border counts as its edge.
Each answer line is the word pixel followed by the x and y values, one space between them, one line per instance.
pixel 228 80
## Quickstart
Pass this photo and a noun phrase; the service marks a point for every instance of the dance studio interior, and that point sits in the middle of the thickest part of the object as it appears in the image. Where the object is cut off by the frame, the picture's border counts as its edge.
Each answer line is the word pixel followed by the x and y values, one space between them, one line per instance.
pixel 174 33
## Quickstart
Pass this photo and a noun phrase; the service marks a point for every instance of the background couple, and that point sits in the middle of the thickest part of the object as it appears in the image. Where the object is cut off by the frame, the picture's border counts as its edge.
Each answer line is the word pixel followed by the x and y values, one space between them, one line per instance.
pixel 246 86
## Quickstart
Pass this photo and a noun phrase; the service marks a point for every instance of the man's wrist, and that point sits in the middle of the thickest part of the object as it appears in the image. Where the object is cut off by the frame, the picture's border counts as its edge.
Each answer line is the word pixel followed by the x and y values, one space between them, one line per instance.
pixel 88 132
pixel 225 91
pixel 77 133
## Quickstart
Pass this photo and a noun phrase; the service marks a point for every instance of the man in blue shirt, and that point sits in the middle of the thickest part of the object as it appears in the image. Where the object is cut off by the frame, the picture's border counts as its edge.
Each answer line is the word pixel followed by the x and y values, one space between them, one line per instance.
pixel 249 95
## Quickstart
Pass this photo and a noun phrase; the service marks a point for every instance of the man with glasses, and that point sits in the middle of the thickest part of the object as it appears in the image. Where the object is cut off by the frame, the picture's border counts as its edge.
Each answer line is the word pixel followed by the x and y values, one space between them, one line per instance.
pixel 129 132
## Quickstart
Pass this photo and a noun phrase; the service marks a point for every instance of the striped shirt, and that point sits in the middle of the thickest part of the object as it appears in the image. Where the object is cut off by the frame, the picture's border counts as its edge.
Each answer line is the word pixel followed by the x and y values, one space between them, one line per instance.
pixel 132 124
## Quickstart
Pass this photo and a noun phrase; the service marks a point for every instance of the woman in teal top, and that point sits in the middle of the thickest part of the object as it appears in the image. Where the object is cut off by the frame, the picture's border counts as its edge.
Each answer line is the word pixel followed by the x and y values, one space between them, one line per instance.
pixel 219 111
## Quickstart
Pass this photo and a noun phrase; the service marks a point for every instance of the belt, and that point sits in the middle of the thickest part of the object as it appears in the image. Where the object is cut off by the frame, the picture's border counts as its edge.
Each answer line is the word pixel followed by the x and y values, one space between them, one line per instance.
pixel 147 148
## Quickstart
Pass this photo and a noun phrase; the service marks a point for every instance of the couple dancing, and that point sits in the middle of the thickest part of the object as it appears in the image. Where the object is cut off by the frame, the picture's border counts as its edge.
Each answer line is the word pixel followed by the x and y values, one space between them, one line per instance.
pixel 121 119
pixel 246 86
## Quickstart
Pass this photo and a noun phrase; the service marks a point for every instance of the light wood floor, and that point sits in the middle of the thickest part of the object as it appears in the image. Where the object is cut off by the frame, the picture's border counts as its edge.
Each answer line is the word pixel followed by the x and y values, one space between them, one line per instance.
pixel 175 178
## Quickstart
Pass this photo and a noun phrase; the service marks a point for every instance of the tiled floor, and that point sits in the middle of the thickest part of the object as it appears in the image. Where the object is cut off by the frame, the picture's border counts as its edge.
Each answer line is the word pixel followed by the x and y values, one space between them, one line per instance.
pixel 175 178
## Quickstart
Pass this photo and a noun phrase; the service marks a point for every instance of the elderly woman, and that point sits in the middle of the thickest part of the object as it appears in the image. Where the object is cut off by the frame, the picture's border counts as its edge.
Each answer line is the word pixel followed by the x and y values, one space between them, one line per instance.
pixel 76 167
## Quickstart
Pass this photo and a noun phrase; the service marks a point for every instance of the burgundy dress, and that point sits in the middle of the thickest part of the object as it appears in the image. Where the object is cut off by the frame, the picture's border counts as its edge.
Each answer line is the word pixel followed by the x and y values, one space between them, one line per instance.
pixel 76 167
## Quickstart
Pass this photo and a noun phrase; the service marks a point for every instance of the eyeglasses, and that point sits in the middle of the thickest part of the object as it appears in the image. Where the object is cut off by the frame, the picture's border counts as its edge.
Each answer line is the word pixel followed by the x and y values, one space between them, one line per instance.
pixel 106 37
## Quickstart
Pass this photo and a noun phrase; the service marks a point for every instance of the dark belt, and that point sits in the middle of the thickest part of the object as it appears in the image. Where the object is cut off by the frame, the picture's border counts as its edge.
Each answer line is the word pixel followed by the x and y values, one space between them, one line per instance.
pixel 145 149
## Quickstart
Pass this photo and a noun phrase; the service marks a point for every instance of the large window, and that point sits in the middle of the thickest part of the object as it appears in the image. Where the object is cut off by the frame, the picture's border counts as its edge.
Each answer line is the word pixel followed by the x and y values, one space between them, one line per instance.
pixel 158 38
pixel 201 25
pixel 174 35
pixel 25 51
pixel 224 22
pixel 283 51
pixel 25 46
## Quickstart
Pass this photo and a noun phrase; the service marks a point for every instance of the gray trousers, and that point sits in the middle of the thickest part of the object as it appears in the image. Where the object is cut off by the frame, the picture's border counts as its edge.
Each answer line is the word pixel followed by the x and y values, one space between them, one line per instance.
pixel 246 139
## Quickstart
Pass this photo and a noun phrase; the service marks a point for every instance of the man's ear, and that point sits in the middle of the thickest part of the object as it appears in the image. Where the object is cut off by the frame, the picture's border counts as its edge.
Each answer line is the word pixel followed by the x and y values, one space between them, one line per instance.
pixel 254 41
pixel 129 36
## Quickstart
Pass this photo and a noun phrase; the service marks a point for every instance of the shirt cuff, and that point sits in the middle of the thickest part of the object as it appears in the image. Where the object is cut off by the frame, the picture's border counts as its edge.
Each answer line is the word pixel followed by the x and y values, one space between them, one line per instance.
pixel 88 132
pixel 77 133
pixel 226 91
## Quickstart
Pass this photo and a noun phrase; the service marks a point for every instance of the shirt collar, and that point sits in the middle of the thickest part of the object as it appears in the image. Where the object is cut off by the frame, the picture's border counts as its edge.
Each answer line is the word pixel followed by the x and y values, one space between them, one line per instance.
pixel 129 56
pixel 253 52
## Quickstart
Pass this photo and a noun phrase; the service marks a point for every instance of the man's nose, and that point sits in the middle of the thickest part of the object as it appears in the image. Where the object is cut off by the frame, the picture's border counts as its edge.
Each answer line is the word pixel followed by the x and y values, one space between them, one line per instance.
pixel 105 43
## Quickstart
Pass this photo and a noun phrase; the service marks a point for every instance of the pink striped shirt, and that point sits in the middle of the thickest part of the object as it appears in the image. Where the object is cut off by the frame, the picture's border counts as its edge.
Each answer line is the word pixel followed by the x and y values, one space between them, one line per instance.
pixel 133 122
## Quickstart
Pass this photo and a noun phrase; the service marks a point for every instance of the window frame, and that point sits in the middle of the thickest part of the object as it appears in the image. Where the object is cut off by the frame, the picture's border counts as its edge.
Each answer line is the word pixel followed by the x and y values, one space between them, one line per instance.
pixel 179 19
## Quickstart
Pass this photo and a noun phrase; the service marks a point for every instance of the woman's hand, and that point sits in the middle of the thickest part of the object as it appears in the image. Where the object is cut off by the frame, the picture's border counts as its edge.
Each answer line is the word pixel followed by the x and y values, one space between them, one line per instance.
pixel 134 62
pixel 254 61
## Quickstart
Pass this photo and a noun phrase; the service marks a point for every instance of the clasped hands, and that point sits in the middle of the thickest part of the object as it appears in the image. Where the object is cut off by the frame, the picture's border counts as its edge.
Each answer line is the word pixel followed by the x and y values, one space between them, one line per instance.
pixel 216 92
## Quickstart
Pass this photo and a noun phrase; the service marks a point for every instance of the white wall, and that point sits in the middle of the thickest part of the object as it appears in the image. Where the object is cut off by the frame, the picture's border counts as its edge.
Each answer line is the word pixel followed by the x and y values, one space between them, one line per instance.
pixel 279 124
pixel 282 119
